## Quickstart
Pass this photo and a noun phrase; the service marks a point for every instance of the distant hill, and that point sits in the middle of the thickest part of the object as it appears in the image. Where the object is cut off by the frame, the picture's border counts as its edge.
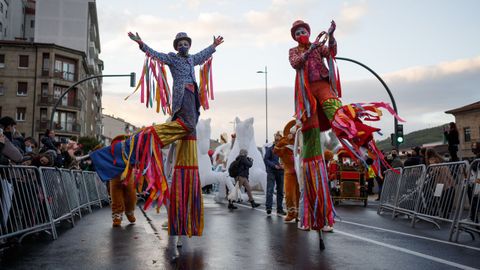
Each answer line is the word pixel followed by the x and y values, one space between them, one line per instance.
pixel 416 138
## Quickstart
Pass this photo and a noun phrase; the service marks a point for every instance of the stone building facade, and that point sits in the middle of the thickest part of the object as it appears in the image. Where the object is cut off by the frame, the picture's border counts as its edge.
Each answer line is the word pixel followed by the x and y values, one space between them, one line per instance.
pixel 467 119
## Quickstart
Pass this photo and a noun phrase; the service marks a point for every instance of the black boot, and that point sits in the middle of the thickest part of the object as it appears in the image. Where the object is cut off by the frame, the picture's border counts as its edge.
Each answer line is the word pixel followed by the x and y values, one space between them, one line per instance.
pixel 231 205
pixel 254 204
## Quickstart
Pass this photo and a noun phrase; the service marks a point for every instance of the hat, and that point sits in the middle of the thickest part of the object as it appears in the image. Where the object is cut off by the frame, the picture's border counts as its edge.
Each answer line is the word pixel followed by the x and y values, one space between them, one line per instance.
pixel 288 127
pixel 181 36
pixel 297 24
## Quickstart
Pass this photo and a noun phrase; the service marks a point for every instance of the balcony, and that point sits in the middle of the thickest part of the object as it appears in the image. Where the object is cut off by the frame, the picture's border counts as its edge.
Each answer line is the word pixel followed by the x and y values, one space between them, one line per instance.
pixel 75 128
pixel 45 72
pixel 50 100
pixel 67 76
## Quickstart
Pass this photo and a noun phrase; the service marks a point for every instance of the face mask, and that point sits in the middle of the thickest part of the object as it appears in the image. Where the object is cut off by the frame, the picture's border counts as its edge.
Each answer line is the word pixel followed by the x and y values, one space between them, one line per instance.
pixel 183 50
pixel 28 149
pixel 303 40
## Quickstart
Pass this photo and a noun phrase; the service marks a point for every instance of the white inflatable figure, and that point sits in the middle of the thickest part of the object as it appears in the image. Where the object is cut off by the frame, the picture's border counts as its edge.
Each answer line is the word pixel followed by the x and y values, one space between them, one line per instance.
pixel 222 150
pixel 245 139
pixel 207 175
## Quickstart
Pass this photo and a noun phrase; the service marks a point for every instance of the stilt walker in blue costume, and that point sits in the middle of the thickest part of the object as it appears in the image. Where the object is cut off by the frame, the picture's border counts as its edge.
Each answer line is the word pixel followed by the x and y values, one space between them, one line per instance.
pixel 140 155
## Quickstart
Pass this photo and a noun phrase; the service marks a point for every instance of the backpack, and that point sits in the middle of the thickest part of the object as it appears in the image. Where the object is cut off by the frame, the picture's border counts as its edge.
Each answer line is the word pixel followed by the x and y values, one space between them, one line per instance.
pixel 233 169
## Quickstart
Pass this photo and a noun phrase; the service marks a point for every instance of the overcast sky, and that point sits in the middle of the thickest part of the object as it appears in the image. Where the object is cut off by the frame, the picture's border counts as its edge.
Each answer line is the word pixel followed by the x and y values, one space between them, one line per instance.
pixel 426 51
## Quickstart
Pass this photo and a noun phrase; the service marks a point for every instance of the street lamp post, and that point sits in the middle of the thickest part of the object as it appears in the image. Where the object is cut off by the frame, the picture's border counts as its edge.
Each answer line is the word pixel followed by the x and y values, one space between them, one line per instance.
pixel 266 103
pixel 132 84
pixel 392 99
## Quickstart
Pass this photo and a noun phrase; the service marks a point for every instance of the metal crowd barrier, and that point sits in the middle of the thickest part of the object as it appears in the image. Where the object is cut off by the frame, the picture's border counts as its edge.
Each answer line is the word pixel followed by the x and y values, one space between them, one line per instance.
pixel 388 197
pixel 467 216
pixel 409 191
pixel 56 194
pixel 446 192
pixel 440 191
pixel 82 190
pixel 23 203
pixel 36 199
pixel 92 188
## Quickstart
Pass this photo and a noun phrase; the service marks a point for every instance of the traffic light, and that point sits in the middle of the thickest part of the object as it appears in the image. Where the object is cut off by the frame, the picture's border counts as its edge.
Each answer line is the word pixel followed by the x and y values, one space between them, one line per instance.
pixel 392 139
pixel 399 133
pixel 132 79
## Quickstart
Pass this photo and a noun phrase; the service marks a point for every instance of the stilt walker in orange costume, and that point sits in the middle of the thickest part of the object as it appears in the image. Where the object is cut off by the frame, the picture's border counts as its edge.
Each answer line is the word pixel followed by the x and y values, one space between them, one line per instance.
pixel 318 108
pixel 140 155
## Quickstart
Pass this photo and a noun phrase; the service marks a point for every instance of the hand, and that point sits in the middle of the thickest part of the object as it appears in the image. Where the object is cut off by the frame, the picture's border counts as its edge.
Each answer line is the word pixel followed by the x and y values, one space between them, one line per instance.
pixel 217 40
pixel 135 37
pixel 332 28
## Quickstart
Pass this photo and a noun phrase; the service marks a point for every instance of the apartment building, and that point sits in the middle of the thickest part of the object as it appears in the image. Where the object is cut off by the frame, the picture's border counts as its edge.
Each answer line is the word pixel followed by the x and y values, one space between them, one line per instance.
pixel 39 64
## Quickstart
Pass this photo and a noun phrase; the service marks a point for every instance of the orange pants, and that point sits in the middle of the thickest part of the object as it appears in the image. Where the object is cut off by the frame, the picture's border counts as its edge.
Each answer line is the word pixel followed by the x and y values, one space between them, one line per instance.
pixel 292 193
pixel 124 197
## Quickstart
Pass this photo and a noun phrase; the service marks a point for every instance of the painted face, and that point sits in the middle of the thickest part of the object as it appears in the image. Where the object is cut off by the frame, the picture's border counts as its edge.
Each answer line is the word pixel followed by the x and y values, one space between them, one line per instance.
pixel 183 46
pixel 302 35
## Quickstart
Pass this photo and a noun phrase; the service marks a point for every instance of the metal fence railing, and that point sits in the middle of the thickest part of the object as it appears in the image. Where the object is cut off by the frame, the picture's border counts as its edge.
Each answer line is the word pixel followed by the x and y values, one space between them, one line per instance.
pixel 37 199
pixel 389 191
pixel 467 217
pixel 440 193
pixel 23 202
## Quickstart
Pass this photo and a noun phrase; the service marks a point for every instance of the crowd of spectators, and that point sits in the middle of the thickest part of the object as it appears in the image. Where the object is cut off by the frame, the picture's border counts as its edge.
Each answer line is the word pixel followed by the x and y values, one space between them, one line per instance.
pixel 51 152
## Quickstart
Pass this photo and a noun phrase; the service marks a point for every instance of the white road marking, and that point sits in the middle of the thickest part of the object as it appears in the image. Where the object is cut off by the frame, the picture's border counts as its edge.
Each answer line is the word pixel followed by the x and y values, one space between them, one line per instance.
pixel 411 235
pixel 404 250
pixel 408 251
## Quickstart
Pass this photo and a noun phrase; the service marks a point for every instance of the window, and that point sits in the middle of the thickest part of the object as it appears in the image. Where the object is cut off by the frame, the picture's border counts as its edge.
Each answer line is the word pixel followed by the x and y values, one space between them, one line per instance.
pixel 64 120
pixel 1 7
pixel 2 60
pixel 22 89
pixel 1 27
pixel 45 64
pixel 43 114
pixel 467 133
pixel 65 68
pixel 32 23
pixel 23 61
pixel 44 89
pixel 2 89
pixel 21 111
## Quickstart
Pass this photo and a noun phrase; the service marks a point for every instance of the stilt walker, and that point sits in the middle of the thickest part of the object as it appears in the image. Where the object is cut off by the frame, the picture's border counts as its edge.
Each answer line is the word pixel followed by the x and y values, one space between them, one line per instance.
pixel 140 155
pixel 318 108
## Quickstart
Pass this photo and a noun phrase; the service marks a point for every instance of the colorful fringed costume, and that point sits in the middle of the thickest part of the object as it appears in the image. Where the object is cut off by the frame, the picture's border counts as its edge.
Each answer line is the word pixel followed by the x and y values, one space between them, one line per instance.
pixel 318 107
pixel 141 155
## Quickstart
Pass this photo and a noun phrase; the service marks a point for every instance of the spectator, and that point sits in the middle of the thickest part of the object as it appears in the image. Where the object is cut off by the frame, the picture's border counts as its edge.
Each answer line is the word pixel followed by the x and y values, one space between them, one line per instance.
pixel 451 135
pixel 244 164
pixel 10 132
pixel 30 145
pixel 414 158
pixel 8 152
pixel 396 162
pixel 43 160
pixel 274 177
pixel 370 173
pixel 442 176
pixel 422 155
pixel 48 141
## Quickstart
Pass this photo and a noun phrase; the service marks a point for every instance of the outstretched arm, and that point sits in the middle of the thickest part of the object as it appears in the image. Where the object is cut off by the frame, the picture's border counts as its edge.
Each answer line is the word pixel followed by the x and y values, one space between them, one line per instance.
pixel 163 57
pixel 203 55
pixel 332 43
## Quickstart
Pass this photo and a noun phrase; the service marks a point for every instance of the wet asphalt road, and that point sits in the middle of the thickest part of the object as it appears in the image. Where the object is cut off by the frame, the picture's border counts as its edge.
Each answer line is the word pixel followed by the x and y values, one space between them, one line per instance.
pixel 247 239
